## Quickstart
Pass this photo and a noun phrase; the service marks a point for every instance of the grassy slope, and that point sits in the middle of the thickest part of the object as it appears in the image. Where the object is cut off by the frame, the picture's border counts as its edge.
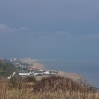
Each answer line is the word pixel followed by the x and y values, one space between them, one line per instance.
pixel 26 91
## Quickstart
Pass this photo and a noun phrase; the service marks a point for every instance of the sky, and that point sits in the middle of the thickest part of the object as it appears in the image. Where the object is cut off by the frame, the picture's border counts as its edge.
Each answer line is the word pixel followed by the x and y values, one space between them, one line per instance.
pixel 49 29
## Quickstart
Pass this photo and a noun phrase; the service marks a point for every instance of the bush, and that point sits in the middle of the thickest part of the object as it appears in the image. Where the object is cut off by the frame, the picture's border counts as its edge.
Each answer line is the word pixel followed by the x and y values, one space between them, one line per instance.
pixel 29 79
pixel 58 83
pixel 15 82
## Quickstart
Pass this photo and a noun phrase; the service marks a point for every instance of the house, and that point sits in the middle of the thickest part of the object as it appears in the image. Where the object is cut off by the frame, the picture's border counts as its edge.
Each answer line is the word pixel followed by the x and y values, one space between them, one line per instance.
pixel 46 72
pixel 24 74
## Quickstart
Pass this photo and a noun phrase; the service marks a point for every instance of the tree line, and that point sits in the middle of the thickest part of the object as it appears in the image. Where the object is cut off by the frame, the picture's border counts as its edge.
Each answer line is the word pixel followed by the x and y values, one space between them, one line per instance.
pixel 6 68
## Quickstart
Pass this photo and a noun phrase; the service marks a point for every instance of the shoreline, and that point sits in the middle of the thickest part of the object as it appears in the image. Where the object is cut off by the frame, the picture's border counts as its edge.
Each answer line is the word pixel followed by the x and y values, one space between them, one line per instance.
pixel 38 65
pixel 73 76
pixel 34 63
pixel 70 75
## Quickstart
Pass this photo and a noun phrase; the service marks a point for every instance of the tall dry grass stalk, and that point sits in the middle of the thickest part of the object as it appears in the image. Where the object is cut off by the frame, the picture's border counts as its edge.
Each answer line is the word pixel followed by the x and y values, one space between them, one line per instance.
pixel 48 88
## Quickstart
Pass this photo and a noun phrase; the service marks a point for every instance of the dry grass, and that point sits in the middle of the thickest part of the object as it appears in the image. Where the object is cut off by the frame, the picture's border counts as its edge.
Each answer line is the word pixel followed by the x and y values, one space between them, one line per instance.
pixel 59 88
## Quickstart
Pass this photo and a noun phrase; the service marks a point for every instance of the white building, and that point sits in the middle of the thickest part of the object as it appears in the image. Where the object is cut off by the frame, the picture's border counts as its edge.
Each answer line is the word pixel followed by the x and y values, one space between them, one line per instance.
pixel 24 74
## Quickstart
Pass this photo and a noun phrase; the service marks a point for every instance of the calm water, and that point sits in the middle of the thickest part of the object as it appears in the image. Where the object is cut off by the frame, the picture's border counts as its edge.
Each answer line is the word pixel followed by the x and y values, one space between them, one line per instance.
pixel 88 69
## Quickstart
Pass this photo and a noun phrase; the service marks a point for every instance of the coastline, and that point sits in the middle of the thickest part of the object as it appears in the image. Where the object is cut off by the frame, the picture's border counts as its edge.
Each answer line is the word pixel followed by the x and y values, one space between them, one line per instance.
pixel 36 64
pixel 70 75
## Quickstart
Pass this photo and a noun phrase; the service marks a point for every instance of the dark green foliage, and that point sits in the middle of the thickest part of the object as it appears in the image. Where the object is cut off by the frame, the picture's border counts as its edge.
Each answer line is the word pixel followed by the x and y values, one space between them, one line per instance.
pixel 6 68
pixel 1 71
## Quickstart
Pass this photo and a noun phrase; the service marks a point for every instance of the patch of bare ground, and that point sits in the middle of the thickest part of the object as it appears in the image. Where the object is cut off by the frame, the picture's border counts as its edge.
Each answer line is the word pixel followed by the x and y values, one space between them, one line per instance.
pixel 34 63
pixel 38 78
pixel 38 65
pixel 70 75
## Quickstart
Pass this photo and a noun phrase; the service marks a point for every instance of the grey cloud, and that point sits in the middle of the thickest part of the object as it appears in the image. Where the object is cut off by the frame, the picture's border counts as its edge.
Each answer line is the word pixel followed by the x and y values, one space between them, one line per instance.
pixel 60 33
pixel 6 29
pixel 93 36
pixel 85 38
pixel 24 28
pixel 49 26
pixel 59 36
pixel 46 38
pixel 52 9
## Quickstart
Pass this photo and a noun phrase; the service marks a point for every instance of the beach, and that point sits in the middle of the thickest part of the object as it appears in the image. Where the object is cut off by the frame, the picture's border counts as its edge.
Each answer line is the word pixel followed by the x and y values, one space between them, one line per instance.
pixel 36 64
pixel 33 63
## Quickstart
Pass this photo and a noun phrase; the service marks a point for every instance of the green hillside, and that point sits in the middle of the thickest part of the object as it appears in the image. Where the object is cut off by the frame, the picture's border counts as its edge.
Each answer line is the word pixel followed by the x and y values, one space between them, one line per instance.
pixel 6 69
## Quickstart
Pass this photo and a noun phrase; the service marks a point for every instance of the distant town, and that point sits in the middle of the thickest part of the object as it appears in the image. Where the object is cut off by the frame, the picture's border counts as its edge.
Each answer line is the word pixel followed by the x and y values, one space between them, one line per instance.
pixel 31 67
pixel 25 67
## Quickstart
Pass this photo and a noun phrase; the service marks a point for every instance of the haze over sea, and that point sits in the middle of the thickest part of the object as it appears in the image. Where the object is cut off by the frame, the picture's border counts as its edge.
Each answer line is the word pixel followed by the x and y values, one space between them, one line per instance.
pixel 87 68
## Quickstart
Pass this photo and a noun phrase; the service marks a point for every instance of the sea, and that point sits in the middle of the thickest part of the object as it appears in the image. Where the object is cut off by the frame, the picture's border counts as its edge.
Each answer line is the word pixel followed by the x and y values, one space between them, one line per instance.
pixel 89 69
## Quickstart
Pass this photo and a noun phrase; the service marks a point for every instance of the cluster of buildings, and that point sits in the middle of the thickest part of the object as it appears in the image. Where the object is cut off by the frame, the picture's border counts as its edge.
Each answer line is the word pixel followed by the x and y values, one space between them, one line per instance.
pixel 26 69
pixel 39 72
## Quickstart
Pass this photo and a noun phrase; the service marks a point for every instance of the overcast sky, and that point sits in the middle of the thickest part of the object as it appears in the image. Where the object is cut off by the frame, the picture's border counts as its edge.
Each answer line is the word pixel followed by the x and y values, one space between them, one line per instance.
pixel 50 29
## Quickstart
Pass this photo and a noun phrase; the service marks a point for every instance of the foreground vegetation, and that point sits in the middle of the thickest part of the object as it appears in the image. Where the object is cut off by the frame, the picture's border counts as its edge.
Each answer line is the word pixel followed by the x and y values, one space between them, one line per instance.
pixel 54 87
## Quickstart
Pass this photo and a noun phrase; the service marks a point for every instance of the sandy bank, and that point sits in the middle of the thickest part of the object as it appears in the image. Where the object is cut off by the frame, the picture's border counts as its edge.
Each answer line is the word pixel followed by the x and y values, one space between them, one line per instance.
pixel 33 63
pixel 70 75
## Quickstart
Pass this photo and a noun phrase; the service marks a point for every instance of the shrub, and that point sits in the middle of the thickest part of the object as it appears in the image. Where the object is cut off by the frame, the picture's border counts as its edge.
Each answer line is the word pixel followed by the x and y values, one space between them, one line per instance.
pixel 29 79
pixel 15 82
pixel 57 83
